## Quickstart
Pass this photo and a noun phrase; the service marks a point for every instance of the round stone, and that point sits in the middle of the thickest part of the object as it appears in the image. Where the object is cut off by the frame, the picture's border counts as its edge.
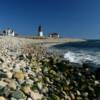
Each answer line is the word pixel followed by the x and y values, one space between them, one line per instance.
pixel 19 75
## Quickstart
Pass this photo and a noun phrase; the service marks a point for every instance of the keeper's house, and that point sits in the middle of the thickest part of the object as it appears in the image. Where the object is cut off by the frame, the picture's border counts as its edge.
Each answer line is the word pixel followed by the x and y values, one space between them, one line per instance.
pixel 8 32
pixel 54 35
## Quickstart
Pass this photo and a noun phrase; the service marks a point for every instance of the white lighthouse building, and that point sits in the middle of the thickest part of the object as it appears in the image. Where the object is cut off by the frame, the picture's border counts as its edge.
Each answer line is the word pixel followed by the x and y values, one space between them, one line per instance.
pixel 40 31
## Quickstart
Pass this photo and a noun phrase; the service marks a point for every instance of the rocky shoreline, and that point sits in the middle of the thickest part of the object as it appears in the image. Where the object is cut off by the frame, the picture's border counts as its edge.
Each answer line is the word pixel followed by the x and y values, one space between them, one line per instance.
pixel 29 72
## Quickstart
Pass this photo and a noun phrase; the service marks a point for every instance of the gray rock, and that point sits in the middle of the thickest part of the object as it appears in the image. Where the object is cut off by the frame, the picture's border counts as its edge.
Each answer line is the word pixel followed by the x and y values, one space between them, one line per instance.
pixel 9 74
pixel 85 94
pixel 27 69
pixel 40 85
pixel 33 74
pixel 55 97
pixel 3 84
pixel 21 81
pixel 1 60
pixel 2 74
pixel 18 95
pixel 13 98
pixel 4 91
pixel 1 89
pixel 45 90
pixel 16 67
pixel 12 85
pixel 29 81
pixel 21 57
pixel 29 98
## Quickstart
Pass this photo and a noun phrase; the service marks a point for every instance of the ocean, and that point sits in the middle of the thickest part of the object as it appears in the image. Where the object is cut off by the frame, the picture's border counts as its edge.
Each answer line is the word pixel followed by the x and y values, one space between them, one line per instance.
pixel 79 52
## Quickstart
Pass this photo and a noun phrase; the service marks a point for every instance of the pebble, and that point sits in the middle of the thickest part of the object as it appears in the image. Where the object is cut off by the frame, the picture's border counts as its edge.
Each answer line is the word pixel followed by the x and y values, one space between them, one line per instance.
pixel 3 84
pixel 18 95
pixel 29 81
pixel 2 74
pixel 68 98
pixel 2 98
pixel 26 90
pixel 1 60
pixel 16 67
pixel 12 85
pixel 72 96
pixel 85 94
pixel 13 98
pixel 30 73
pixel 29 98
pixel 55 97
pixel 19 75
pixel 36 96
pixel 9 74
pixel 78 93
pixel 97 82
pixel 40 85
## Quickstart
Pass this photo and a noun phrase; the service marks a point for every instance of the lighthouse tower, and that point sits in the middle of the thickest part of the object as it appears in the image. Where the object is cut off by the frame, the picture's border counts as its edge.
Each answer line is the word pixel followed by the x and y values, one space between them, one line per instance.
pixel 40 31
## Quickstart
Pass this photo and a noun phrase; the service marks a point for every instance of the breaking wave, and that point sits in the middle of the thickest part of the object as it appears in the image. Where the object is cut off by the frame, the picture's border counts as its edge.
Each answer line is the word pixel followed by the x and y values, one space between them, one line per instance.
pixel 80 52
pixel 82 57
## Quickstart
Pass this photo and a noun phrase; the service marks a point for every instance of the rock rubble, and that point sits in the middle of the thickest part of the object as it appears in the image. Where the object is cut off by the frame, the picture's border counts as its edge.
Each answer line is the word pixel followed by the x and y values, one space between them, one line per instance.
pixel 29 72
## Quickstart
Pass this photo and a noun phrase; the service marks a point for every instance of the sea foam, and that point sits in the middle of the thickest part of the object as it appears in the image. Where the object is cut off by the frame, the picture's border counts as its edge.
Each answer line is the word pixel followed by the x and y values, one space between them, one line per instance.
pixel 82 57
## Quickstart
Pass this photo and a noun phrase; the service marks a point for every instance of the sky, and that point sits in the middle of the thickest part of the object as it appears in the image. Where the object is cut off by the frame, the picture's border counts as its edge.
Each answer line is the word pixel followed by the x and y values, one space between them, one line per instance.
pixel 70 18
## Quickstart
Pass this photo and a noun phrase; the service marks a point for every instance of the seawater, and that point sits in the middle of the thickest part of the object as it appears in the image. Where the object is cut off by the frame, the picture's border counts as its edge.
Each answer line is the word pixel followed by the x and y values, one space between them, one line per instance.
pixel 79 52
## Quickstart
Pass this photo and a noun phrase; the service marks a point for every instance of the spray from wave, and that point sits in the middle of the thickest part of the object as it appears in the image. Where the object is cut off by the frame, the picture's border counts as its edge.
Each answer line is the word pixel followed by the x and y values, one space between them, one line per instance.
pixel 79 52
pixel 82 57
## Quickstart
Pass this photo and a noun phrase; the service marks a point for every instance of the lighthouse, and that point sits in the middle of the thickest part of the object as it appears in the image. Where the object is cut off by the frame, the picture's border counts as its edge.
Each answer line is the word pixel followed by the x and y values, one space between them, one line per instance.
pixel 40 31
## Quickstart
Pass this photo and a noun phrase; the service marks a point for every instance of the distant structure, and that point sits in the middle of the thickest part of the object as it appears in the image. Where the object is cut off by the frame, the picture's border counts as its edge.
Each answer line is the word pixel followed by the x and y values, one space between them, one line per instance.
pixel 54 35
pixel 40 31
pixel 8 32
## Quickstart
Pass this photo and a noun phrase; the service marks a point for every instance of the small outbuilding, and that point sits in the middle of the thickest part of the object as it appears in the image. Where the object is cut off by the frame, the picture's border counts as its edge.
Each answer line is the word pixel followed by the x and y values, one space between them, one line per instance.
pixel 54 35
pixel 8 32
